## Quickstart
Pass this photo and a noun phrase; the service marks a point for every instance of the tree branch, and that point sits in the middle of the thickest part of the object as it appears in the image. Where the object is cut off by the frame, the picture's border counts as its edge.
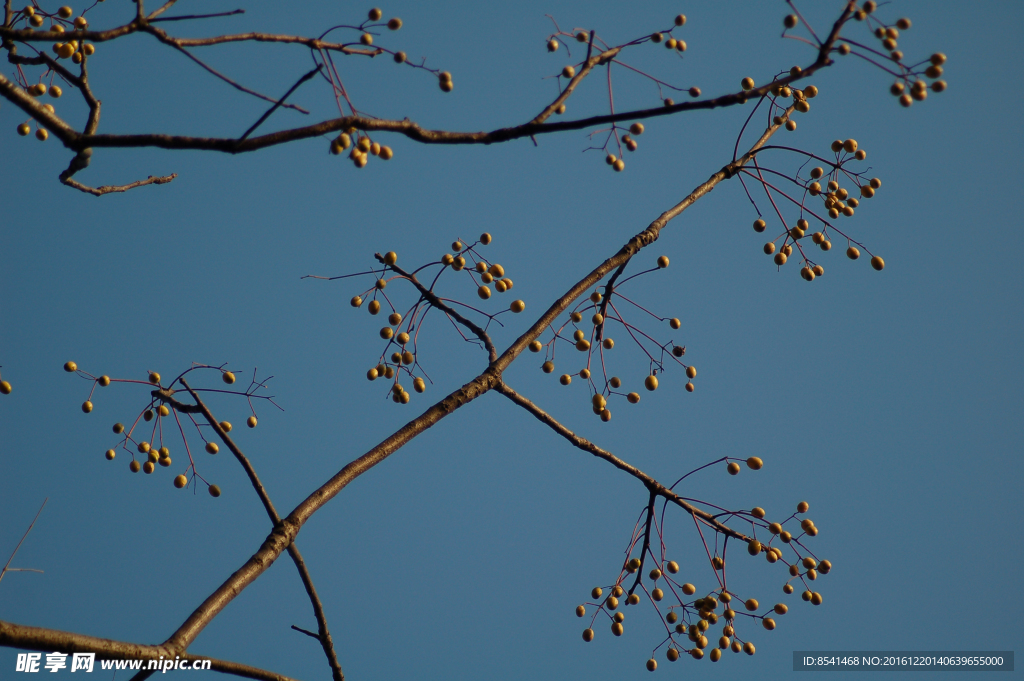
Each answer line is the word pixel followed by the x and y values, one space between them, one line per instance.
pixel 47 640
pixel 655 487
pixel 326 642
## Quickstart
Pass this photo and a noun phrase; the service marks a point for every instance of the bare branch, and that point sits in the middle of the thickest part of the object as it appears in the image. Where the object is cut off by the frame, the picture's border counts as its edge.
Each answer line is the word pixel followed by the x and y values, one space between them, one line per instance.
pixel 655 487
pixel 36 638
pixel 65 178
pixel 7 567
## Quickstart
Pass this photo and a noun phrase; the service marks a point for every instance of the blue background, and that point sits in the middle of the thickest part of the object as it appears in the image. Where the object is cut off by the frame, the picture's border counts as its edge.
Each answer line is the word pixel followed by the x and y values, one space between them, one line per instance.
pixel 889 401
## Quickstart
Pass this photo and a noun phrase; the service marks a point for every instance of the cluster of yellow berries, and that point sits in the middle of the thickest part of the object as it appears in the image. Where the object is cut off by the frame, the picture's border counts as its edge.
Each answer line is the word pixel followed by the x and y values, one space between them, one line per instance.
pixel 800 97
pixel 363 149
pixel 73 49
pixel 154 455
pixel 909 87
pixel 598 339
pixel 403 358
pixel 617 164
pixel 694 618
pixel 671 42
pixel 837 201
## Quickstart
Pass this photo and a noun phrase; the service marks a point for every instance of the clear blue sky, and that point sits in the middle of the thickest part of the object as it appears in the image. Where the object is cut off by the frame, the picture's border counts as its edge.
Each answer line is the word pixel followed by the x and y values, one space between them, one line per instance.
pixel 890 401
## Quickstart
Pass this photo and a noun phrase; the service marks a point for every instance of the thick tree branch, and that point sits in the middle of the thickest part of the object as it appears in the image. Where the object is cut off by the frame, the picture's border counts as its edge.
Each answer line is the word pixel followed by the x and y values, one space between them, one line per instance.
pixel 47 640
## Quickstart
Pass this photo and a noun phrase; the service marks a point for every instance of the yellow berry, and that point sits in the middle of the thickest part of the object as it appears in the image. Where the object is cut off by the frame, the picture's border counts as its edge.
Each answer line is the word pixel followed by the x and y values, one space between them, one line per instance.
pixel 651 382
pixel 251 422
pixel 163 410
pixel 517 306
pixel 547 367
pixel 135 466
pixel 568 72
pixel 637 128
pixel 852 253
pixel 755 463
pixel 733 468
pixel 535 346
pixel 877 263
pixel 747 83
pixel 633 398
pixel 148 467
pixel 180 481
pixel 87 406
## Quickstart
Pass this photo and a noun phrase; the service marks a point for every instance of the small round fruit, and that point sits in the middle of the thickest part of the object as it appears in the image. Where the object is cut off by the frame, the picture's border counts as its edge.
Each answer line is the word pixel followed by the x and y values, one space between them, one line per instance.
pixel 374 307
pixel 212 447
pixel 588 635
pixel 251 422
pixel 608 343
pixel 633 398
pixel 552 45
pixel 148 467
pixel 580 611
pixel 517 306
pixel 637 128
pixel 568 72
pixel 214 491
pixel 672 654
pixel 689 589
pixel 755 463
pixel 70 367
pixel 390 258
pixel 565 379
pixel 484 292
pixel 394 23
pixel 87 406
pixel 547 367
pixel 536 346
pixel 733 468
pixel 747 84
pixel 751 604
pixel 877 263
pixel 386 332
pixel 180 481
pixel 135 466
pixel 24 129
pixel 663 261
pixel 748 648
pixel 651 382
pixel 760 225
pixel 652 664
pixel 154 378
pixel 852 253
pixel 780 258
pixel 657 594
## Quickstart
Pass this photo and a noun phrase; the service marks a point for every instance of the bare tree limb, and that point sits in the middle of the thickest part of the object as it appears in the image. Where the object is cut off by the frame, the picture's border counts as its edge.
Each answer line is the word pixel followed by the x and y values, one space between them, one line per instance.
pixel 36 638
pixel 655 487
